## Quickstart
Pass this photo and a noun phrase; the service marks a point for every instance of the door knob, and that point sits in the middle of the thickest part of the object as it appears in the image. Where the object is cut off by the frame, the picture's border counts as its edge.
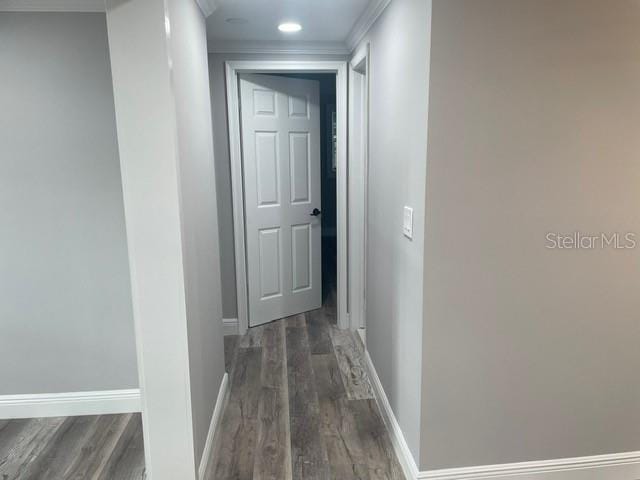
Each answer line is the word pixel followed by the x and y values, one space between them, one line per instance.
pixel 315 212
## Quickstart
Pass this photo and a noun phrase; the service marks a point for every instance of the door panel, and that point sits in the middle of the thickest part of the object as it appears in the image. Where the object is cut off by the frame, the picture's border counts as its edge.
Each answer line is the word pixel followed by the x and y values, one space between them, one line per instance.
pixel 280 119
pixel 264 102
pixel 301 256
pixel 298 107
pixel 270 275
pixel 267 166
pixel 299 157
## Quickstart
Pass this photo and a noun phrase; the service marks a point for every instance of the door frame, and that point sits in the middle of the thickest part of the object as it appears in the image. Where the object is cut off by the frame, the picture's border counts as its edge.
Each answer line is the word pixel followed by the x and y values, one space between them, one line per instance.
pixel 359 85
pixel 232 69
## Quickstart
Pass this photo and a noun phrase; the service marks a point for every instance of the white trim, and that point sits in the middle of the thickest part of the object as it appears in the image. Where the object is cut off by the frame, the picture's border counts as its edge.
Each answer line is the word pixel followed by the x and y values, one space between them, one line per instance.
pixel 232 68
pixel 237 190
pixel 359 56
pixel 230 326
pixel 208 6
pixel 52 6
pixel 221 402
pixel 342 213
pixel 362 335
pixel 365 22
pixel 398 441
pixel 617 466
pixel 70 403
pixel 358 212
pixel 274 48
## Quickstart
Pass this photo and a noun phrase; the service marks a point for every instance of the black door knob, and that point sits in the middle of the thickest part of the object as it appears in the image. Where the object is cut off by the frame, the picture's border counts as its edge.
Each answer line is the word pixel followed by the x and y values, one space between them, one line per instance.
pixel 315 212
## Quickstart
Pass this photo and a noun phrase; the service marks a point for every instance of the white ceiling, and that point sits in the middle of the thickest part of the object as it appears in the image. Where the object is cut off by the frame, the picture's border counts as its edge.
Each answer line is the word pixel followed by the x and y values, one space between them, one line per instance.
pixel 321 20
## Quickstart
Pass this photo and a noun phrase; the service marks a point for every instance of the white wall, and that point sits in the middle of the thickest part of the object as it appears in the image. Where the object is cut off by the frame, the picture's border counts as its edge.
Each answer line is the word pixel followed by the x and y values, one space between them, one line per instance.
pixel 531 353
pixel 223 165
pixel 399 78
pixel 66 320
pixel 160 80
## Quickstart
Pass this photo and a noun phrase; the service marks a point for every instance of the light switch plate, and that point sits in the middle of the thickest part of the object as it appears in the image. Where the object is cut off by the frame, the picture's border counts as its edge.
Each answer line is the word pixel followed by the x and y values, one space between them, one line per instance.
pixel 407 222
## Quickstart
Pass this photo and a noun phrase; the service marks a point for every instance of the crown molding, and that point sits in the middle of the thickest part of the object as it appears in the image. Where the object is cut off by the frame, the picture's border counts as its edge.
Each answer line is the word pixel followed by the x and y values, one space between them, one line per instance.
pixel 300 48
pixel 52 6
pixel 208 6
pixel 364 23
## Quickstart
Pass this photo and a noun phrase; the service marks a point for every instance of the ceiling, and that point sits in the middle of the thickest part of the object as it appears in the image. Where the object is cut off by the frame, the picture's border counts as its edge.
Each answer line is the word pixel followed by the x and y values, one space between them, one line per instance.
pixel 328 21
pixel 328 26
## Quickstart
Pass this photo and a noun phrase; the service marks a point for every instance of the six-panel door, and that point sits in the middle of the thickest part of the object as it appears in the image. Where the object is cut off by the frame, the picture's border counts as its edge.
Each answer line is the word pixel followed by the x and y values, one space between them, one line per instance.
pixel 280 119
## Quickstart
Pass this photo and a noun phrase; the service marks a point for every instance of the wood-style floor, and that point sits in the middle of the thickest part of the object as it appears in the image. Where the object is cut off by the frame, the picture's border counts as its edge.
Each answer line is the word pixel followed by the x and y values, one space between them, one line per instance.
pixel 300 407
pixel 105 447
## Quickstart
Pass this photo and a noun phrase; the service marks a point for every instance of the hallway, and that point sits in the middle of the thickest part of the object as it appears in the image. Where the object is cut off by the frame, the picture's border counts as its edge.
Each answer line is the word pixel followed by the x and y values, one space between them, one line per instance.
pixel 300 406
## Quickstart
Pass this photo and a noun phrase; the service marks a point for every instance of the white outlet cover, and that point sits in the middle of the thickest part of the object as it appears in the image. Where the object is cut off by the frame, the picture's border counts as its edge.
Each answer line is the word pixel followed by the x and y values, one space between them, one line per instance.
pixel 407 222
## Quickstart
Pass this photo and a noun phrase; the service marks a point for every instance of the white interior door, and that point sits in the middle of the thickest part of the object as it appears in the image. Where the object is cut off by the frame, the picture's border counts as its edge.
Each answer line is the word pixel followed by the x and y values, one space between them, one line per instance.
pixel 280 119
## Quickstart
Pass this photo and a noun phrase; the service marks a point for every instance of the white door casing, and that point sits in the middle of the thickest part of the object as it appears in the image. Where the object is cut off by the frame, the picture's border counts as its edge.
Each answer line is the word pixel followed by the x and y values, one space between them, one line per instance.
pixel 357 187
pixel 280 121
pixel 233 68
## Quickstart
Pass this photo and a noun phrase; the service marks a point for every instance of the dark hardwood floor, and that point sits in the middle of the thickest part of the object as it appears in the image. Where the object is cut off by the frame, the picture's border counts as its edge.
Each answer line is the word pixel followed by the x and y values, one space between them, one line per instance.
pixel 301 406
pixel 105 447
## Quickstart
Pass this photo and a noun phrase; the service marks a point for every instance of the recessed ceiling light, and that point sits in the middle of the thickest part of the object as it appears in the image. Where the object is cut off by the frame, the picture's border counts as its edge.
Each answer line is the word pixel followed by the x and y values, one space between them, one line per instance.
pixel 289 27
pixel 237 21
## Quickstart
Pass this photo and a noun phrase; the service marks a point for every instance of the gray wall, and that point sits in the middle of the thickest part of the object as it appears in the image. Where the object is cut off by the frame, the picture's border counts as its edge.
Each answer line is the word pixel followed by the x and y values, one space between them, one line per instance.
pixel 201 255
pixel 65 301
pixel 399 77
pixel 223 166
pixel 531 353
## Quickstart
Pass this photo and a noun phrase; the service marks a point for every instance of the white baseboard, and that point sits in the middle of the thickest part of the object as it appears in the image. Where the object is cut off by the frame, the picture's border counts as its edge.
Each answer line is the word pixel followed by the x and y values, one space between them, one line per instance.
pixel 617 466
pixel 400 446
pixel 70 404
pixel 221 401
pixel 230 326
pixel 362 335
